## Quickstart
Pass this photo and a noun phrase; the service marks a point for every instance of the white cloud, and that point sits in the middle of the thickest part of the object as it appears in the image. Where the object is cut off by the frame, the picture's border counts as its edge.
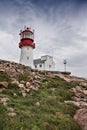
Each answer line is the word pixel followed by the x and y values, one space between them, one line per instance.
pixel 8 50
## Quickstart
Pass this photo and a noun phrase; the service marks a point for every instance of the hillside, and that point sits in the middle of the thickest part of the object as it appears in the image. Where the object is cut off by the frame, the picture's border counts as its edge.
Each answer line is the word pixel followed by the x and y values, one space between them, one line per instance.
pixel 38 100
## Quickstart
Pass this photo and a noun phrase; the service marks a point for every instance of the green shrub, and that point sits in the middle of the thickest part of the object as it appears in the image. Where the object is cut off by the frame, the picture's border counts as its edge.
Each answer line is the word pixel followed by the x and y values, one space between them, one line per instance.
pixel 12 86
pixel 67 123
pixel 23 77
pixel 2 108
pixel 11 89
pixel 4 77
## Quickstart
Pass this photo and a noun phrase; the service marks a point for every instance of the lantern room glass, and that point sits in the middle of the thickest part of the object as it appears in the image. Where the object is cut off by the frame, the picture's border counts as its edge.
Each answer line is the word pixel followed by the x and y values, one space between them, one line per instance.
pixel 29 35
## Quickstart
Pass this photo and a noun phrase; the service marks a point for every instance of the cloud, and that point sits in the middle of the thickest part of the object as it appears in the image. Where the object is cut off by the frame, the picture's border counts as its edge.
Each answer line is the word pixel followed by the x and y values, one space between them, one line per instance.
pixel 7 46
pixel 60 31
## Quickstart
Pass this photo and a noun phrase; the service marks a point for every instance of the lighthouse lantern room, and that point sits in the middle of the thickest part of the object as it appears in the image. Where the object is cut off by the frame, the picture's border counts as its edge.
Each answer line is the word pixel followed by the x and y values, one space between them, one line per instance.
pixel 27 45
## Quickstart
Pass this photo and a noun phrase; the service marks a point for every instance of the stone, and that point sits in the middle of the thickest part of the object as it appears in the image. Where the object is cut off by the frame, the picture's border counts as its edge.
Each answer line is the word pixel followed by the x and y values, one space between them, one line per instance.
pixel 2 70
pixel 31 79
pixel 27 90
pixel 79 88
pixel 14 94
pixel 73 102
pixel 73 90
pixel 23 94
pixel 3 84
pixel 46 124
pixel 31 86
pixel 15 82
pixel 52 89
pixel 21 86
pixel 10 109
pixel 77 99
pixel 12 114
pixel 83 84
pixel 1 90
pixel 83 104
pixel 13 70
pixel 4 101
pixel 63 77
pixel 22 82
pixel 35 88
pixel 37 77
pixel 28 84
pixel 85 92
pixel 81 118
pixel 37 104
pixel 58 113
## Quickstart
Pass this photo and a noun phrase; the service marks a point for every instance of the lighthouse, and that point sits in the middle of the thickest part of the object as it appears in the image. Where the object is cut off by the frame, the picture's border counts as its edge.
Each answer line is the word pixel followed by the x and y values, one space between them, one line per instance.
pixel 26 45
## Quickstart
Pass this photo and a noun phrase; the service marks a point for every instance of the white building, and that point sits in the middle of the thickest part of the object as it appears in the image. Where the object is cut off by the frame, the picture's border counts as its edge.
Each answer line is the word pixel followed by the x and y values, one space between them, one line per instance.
pixel 45 63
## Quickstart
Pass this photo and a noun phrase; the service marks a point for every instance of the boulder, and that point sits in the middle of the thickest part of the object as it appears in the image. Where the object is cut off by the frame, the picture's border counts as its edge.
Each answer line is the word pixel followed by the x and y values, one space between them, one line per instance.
pixel 2 70
pixel 21 86
pixel 81 118
pixel 28 84
pixel 3 84
pixel 79 88
pixel 85 92
pixel 83 84
pixel 73 102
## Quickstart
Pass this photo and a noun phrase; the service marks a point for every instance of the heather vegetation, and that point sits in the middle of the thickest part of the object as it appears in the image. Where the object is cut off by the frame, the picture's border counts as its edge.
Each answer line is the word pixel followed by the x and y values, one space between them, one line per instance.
pixel 43 109
pixel 4 77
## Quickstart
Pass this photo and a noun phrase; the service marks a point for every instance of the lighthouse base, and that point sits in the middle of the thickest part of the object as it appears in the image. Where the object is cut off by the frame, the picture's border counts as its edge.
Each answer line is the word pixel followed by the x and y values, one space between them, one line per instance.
pixel 26 57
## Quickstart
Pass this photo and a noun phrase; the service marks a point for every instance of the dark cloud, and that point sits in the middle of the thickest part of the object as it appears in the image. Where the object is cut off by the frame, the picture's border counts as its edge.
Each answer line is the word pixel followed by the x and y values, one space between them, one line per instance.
pixel 60 30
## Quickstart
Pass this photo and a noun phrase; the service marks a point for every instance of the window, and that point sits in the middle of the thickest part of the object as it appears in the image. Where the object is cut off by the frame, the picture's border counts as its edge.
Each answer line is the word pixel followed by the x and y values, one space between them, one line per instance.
pixel 49 66
pixel 35 66
pixel 40 66
pixel 27 57
pixel 27 48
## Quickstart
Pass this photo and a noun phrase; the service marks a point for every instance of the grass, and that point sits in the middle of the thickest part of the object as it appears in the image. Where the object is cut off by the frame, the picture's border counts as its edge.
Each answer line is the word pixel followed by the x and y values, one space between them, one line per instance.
pixel 23 77
pixel 4 77
pixel 51 114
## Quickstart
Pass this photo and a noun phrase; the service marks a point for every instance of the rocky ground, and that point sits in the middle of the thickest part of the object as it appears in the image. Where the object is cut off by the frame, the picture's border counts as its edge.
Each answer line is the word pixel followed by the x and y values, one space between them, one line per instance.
pixel 80 99
pixel 14 69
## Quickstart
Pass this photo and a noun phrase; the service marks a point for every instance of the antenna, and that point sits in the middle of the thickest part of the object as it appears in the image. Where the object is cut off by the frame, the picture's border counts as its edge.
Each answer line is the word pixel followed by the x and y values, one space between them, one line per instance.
pixel 65 62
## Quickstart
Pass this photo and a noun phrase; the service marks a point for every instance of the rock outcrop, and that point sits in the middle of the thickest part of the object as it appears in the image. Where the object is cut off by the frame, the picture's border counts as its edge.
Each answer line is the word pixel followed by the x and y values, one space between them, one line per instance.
pixel 80 100
pixel 81 118
pixel 16 71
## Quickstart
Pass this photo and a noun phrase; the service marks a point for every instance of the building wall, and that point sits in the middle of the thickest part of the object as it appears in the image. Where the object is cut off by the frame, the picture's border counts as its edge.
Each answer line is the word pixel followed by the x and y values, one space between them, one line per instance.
pixel 48 65
pixel 26 57
pixel 40 66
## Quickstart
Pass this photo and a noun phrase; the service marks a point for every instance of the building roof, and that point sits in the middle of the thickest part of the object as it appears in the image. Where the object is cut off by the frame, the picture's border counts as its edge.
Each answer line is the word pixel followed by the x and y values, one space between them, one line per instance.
pixel 39 61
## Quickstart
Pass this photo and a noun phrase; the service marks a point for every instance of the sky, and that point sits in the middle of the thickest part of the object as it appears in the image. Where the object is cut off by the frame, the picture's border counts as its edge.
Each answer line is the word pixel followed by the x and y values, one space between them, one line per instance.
pixel 60 31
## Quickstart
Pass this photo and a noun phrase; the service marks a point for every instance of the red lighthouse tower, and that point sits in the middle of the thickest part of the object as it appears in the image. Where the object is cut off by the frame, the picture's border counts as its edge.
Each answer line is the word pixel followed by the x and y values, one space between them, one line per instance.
pixel 27 45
